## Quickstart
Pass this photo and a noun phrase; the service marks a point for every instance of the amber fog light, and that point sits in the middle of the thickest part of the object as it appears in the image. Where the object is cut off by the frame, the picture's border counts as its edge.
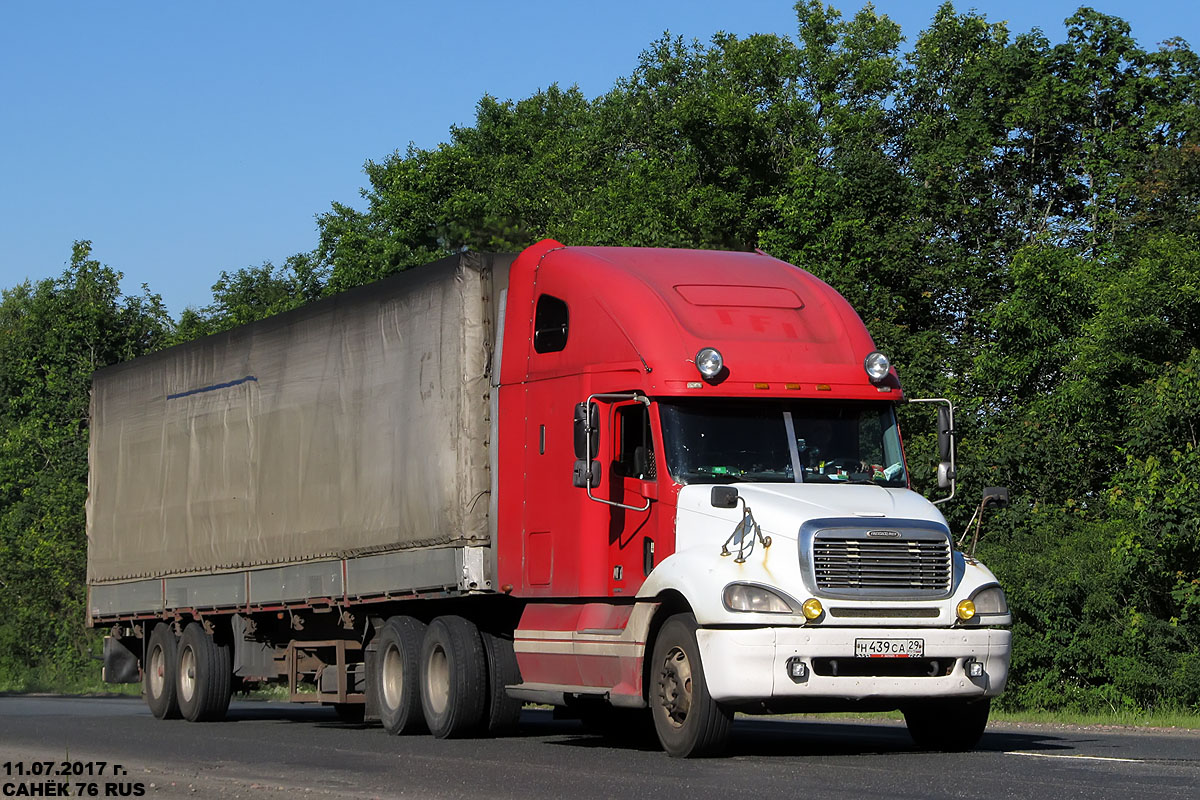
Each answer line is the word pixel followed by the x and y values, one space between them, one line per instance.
pixel 966 610
pixel 812 609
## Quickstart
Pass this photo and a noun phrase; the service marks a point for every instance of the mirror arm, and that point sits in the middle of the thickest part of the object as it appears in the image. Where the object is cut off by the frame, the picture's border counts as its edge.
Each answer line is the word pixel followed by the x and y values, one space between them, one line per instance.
pixel 641 398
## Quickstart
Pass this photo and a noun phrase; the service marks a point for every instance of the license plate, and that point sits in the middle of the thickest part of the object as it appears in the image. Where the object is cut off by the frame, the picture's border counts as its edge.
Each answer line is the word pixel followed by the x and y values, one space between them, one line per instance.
pixel 889 648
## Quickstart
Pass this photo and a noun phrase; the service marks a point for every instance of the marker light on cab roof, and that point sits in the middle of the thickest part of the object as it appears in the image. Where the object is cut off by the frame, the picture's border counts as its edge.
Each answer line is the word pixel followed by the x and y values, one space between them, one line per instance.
pixel 877 366
pixel 709 362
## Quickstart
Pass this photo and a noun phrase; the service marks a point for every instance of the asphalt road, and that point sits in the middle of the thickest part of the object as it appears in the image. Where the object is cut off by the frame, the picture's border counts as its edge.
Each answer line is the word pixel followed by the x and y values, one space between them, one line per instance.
pixel 278 750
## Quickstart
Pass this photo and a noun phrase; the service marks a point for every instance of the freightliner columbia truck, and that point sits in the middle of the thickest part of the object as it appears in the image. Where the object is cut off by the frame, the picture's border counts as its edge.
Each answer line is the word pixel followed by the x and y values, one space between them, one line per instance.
pixel 604 479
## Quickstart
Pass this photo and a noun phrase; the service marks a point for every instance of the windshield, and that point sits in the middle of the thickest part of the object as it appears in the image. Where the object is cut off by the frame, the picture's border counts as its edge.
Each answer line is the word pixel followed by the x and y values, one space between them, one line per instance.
pixel 798 441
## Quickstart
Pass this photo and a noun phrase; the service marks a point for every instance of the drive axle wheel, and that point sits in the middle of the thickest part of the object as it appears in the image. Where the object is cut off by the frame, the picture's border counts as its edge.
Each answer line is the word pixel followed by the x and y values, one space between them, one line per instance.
pixel 688 721
pixel 501 713
pixel 396 682
pixel 453 677
pixel 204 677
pixel 158 678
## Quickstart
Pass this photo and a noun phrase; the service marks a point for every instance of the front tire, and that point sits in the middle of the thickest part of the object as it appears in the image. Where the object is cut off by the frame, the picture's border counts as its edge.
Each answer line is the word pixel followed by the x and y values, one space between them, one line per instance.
pixel 689 722
pixel 397 684
pixel 204 676
pixel 951 726
pixel 158 678
pixel 453 677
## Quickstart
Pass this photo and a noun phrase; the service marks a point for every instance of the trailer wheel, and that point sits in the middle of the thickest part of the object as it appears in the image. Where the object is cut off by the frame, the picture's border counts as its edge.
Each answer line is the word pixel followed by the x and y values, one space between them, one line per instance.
pixel 502 712
pixel 396 678
pixel 951 726
pixel 204 677
pixel 688 721
pixel 453 677
pixel 158 678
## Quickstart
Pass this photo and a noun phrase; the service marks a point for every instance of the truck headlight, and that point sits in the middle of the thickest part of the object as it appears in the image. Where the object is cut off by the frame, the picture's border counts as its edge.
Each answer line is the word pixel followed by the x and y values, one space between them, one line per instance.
pixel 709 362
pixel 877 365
pixel 990 600
pixel 751 597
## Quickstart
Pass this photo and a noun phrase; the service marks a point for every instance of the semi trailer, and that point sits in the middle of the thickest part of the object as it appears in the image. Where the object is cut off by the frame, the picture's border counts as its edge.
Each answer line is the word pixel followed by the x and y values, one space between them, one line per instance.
pixel 624 482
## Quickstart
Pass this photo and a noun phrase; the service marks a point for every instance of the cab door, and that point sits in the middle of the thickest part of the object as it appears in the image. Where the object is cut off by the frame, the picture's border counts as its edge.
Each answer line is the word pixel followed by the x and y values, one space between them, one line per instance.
pixel 631 485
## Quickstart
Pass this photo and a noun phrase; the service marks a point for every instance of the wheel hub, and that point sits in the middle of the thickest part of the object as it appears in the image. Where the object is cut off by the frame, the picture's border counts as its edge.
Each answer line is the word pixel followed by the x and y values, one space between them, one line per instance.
pixel 187 675
pixel 675 686
pixel 157 672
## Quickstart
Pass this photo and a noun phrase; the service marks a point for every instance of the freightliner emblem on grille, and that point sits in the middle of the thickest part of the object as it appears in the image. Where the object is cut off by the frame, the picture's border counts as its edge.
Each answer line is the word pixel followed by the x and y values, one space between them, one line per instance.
pixel 884 534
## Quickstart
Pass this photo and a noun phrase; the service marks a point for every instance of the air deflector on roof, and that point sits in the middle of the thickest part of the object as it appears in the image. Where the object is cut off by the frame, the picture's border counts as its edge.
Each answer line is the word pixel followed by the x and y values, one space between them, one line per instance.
pixel 747 296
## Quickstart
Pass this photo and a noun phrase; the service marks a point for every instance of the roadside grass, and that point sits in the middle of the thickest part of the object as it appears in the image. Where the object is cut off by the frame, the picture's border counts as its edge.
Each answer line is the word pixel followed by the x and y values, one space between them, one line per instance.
pixel 1187 720
pixel 71 686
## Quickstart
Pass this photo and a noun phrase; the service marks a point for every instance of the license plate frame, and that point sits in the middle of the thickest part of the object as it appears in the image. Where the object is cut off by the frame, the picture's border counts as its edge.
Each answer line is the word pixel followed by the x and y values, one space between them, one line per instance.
pixel 889 647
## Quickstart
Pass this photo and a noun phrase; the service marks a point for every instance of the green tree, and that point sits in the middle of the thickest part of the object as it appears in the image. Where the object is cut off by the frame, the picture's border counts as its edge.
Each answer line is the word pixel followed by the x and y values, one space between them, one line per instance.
pixel 53 335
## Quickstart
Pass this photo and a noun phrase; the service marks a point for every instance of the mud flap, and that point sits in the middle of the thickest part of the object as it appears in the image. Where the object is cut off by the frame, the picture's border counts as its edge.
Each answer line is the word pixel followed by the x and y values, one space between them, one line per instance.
pixel 120 662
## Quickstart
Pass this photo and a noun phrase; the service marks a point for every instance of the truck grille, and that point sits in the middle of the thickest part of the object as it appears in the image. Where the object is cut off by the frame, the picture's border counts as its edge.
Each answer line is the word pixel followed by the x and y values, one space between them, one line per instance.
pixel 854 564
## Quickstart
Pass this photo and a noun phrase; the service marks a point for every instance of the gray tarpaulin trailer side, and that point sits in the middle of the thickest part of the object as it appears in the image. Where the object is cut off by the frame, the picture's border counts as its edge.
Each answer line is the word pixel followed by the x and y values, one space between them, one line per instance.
pixel 274 463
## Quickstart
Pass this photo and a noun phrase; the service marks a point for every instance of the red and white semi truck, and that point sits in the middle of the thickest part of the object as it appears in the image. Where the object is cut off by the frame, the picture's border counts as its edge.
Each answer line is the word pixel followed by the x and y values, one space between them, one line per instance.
pixel 598 478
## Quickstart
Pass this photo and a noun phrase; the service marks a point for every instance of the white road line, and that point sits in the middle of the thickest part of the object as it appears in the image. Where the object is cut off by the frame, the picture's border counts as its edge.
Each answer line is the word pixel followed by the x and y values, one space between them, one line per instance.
pixel 1082 758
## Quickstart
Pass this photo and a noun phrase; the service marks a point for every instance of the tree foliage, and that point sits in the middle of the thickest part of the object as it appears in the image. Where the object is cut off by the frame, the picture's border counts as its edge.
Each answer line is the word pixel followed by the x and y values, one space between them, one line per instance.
pixel 1017 221
pixel 53 335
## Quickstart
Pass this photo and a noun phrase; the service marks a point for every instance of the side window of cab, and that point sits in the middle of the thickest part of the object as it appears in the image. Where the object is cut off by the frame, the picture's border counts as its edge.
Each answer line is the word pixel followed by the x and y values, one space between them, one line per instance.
pixel 551 322
pixel 635 447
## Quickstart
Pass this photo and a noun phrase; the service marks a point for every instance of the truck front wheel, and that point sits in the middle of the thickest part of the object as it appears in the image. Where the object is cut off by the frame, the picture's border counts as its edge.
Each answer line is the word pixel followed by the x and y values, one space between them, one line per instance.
pixel 397 685
pixel 204 676
pixel 453 677
pixel 952 726
pixel 158 678
pixel 688 721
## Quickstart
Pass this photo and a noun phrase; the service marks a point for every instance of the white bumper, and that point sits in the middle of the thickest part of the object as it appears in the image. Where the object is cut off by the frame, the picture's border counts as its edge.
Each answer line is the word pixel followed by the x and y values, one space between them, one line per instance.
pixel 749 665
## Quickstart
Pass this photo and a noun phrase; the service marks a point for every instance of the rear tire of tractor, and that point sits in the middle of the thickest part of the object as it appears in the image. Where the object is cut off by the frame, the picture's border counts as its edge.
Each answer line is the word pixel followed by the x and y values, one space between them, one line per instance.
pixel 502 713
pixel 454 678
pixel 690 724
pixel 396 680
pixel 204 676
pixel 951 726
pixel 158 678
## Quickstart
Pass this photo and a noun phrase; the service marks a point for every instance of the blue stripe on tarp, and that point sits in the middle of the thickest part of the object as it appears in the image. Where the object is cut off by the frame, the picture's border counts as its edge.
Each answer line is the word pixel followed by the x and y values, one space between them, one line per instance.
pixel 212 388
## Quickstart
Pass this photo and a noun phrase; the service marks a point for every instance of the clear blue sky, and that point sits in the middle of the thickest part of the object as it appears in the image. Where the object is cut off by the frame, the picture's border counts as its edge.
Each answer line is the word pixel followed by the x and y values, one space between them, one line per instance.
pixel 188 138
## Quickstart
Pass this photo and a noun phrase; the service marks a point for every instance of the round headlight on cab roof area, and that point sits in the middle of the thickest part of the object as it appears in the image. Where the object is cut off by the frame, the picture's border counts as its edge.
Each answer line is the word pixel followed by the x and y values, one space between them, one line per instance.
pixel 877 366
pixel 709 362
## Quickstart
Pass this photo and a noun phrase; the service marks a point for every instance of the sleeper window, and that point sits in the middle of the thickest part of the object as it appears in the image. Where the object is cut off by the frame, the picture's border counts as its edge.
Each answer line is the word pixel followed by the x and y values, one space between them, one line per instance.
pixel 549 325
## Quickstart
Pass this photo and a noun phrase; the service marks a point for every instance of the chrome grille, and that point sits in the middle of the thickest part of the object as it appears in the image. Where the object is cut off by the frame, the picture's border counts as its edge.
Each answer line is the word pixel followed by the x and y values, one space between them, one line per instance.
pixel 853 564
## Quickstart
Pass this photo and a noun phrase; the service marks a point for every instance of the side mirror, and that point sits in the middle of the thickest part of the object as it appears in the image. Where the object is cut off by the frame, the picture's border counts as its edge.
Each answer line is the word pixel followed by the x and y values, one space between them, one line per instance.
pixel 584 426
pixel 582 477
pixel 945 440
pixel 724 497
pixel 587 446
pixel 995 496
pixel 945 433
pixel 946 477
pixel 945 474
